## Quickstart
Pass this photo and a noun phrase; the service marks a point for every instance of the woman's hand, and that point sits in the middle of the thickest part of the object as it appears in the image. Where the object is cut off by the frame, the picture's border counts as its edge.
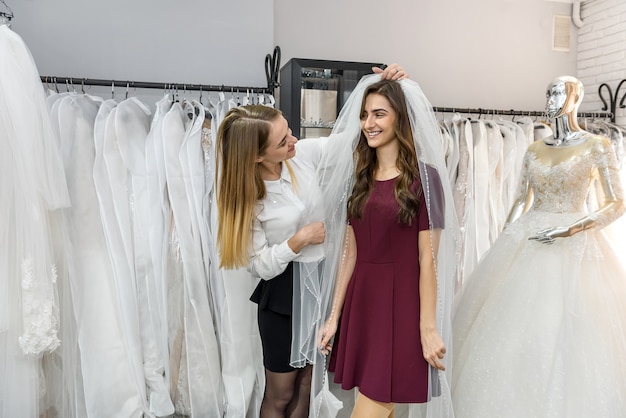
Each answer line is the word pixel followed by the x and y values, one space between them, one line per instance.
pixel 391 72
pixel 326 334
pixel 433 348
pixel 313 233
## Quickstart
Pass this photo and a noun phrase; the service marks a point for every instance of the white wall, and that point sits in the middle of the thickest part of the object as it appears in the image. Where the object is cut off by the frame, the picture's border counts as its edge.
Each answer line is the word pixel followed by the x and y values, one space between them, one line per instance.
pixel 177 41
pixel 488 53
pixel 602 52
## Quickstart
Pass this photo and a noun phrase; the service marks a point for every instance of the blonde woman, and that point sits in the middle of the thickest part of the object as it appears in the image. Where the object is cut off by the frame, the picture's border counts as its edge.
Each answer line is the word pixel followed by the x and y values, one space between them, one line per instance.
pixel 270 216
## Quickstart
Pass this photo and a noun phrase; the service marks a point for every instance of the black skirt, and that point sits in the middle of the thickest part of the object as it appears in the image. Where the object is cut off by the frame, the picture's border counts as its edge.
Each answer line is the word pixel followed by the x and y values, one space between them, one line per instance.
pixel 275 299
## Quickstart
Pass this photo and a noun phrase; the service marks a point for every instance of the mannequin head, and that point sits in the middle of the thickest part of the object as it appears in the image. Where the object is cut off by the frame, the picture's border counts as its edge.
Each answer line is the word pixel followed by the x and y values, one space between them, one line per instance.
pixel 564 95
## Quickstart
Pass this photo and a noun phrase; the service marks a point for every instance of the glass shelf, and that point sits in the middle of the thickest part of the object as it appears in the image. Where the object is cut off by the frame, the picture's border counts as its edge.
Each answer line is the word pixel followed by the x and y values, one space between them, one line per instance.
pixel 312 92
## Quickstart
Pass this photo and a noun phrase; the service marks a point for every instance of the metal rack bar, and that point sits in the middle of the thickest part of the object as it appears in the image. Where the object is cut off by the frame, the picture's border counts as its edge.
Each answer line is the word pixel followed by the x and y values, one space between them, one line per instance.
pixel 75 81
pixel 272 65
pixel 481 111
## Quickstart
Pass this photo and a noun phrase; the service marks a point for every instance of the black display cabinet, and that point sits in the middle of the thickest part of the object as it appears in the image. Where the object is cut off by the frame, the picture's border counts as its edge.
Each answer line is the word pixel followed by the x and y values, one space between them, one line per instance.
pixel 312 92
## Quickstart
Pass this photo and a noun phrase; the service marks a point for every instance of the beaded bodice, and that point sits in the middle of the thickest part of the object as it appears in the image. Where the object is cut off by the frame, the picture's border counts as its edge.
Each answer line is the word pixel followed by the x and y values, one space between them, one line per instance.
pixel 563 186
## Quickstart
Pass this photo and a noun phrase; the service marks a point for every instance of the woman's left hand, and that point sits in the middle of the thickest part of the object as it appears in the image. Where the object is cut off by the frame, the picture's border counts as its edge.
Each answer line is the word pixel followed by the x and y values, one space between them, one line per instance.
pixel 325 336
pixel 433 348
pixel 391 72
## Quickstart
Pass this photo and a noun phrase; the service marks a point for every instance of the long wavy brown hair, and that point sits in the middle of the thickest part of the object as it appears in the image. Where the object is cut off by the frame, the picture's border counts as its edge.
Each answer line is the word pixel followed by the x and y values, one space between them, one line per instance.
pixel 366 161
pixel 241 138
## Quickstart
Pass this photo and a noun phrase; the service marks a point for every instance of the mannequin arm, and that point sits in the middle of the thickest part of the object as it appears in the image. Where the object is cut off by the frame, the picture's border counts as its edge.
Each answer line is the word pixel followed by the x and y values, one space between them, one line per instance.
pixel 610 210
pixel 524 196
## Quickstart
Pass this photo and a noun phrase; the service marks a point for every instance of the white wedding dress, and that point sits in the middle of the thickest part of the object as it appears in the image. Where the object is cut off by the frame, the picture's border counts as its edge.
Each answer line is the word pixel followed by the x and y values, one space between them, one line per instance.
pixel 540 330
pixel 35 313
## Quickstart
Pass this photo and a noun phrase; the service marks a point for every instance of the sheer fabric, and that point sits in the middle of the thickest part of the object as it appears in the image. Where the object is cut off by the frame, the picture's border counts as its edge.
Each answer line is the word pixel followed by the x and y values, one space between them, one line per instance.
pixel 32 186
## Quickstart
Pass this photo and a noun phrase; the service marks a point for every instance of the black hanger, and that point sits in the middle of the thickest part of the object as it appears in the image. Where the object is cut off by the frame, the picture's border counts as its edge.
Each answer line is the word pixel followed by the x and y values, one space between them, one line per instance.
pixel 272 66
pixel 612 98
pixel 8 15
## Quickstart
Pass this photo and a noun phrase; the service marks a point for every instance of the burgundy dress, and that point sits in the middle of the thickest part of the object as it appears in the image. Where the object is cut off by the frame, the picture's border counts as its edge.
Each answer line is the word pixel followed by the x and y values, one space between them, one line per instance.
pixel 379 348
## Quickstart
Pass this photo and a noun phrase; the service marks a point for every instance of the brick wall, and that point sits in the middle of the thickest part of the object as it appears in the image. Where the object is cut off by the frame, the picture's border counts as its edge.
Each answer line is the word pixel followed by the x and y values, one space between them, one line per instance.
pixel 602 52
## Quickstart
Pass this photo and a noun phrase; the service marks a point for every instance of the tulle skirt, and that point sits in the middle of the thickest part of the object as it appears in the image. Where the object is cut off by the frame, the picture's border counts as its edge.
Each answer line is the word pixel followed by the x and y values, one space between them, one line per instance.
pixel 540 330
pixel 36 376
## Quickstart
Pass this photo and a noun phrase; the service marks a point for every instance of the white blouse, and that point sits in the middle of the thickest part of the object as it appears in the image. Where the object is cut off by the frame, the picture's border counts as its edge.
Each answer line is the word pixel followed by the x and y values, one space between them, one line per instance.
pixel 287 207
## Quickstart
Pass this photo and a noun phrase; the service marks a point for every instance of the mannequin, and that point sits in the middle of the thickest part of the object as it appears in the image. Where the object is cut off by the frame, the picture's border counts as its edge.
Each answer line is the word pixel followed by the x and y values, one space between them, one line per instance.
pixel 564 96
pixel 539 329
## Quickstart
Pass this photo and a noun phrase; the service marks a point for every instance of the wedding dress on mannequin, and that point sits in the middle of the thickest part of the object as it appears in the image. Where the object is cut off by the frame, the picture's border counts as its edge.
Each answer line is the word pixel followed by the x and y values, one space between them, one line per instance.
pixel 539 329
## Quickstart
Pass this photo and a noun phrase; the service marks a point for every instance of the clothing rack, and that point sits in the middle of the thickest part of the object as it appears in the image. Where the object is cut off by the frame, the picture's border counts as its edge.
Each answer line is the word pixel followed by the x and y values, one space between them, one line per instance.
pixel 272 65
pixel 489 112
pixel 612 98
pixel 73 82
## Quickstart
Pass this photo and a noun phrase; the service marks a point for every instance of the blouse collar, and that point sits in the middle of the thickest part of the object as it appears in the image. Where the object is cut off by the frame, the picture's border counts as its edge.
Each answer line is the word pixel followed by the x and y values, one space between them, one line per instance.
pixel 274 186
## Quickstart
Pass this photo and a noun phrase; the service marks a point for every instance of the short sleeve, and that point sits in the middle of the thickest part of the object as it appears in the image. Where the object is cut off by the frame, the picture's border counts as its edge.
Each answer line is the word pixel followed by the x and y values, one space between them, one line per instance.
pixel 432 207
pixel 422 216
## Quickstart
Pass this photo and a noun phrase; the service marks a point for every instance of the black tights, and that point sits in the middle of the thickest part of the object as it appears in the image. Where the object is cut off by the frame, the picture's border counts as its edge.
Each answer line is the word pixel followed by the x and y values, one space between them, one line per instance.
pixel 287 394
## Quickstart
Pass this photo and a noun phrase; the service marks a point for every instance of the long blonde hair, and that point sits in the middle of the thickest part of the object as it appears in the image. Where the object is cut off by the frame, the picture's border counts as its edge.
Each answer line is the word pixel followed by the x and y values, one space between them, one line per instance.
pixel 241 138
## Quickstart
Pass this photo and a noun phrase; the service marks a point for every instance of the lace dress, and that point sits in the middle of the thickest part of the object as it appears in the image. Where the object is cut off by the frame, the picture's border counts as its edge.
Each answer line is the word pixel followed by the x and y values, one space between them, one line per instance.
pixel 540 329
pixel 32 189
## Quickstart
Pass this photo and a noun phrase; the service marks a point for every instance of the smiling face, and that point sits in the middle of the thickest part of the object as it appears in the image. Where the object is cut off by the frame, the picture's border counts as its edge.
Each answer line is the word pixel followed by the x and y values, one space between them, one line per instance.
pixel 280 143
pixel 378 121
